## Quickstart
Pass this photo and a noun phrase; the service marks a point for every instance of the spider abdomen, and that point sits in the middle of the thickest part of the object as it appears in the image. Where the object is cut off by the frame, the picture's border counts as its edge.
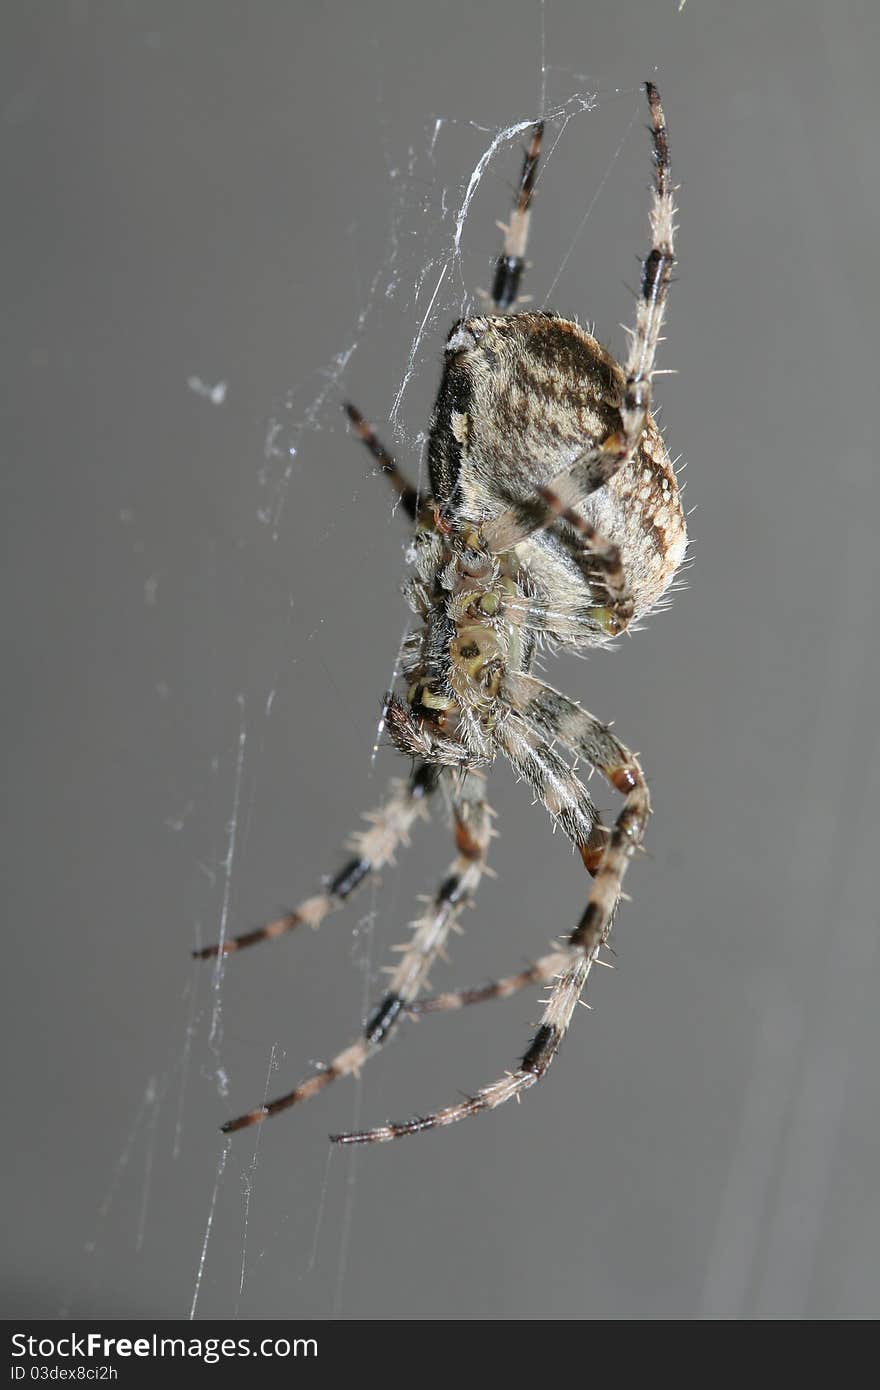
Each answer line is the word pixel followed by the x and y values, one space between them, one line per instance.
pixel 522 398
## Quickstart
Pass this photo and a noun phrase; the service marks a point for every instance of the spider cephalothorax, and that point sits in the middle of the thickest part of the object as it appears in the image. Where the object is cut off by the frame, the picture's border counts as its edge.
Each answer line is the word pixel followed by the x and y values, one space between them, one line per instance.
pixel 553 517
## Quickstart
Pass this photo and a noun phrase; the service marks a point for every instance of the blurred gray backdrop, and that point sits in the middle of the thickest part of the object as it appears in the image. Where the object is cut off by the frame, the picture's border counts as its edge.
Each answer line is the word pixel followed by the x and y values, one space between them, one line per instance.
pixel 219 220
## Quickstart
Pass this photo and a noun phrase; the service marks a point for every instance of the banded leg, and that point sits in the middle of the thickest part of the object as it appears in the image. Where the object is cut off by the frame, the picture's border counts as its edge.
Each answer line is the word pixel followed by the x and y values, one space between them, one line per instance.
pixel 651 306
pixel 594 468
pixel 473 831
pixel 580 730
pixel 552 716
pixel 538 617
pixel 537 973
pixel 410 500
pixel 597 551
pixel 389 826
pixel 422 738
pixel 557 786
pixel 560 790
pixel 511 263
pixel 533 1066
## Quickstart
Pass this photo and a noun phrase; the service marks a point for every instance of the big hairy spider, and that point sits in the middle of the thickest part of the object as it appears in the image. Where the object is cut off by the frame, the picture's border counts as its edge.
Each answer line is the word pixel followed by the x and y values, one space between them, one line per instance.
pixel 554 517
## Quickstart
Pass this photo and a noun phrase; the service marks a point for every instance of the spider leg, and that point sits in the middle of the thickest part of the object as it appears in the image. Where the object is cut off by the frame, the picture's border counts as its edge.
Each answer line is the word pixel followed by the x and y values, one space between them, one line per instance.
pixel 538 972
pixel 472 822
pixel 532 1067
pixel 600 563
pixel 594 550
pixel 535 761
pixel 560 621
pixel 422 738
pixel 562 792
pixel 554 782
pixel 510 264
pixel 545 708
pixel 389 827
pixel 410 499
pixel 656 275
pixel 593 469
pixel 547 714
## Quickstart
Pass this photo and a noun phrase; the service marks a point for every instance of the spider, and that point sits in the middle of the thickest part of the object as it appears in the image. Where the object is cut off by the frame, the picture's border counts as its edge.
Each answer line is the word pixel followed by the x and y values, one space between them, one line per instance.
pixel 553 518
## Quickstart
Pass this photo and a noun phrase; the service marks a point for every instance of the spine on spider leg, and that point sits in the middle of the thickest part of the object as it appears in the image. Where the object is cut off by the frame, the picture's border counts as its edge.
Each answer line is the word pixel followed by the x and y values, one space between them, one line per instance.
pixel 511 263
pixel 389 827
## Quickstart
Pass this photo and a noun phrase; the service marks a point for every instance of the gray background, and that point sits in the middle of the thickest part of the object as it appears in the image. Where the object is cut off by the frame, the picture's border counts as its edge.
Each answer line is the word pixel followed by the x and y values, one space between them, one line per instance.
pixel 250 194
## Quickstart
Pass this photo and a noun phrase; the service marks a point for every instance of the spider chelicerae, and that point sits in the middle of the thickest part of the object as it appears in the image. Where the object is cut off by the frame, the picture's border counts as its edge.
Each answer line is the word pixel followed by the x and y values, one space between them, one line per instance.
pixel 553 518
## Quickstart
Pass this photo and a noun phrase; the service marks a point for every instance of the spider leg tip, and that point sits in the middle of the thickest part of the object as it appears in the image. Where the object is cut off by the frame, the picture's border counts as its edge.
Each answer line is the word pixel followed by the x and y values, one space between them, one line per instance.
pixel 224 948
pixel 253 1117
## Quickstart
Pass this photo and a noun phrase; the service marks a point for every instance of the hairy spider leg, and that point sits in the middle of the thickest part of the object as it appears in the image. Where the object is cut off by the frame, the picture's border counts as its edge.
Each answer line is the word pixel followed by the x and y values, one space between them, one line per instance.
pixel 554 783
pixel 594 468
pixel 544 708
pixel 593 549
pixel 535 973
pixel 410 499
pixel 389 827
pixel 473 830
pixel 538 616
pixel 511 263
